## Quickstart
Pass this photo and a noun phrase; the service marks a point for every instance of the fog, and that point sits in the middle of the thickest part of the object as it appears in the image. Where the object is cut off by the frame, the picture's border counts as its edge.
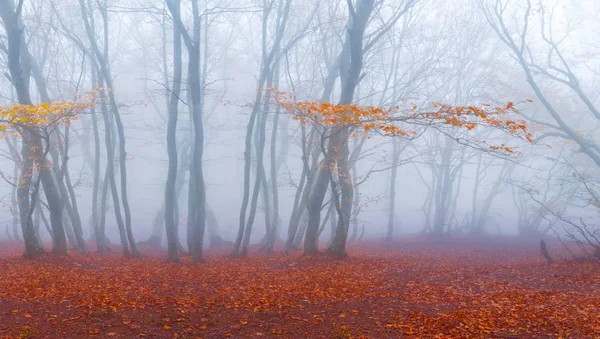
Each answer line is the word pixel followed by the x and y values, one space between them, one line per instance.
pixel 445 179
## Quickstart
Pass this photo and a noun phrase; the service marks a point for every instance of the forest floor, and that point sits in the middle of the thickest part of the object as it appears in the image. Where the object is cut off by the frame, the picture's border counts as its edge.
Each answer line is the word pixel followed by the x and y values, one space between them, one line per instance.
pixel 465 288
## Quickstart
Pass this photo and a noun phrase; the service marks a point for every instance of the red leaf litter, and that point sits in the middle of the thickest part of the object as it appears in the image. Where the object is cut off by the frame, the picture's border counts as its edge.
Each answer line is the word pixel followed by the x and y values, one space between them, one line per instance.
pixel 418 288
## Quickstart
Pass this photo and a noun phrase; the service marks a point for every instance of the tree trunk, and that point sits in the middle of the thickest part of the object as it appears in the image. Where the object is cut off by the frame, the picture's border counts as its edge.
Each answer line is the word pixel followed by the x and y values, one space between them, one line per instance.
pixel 272 233
pixel 101 57
pixel 265 70
pixel 20 70
pixel 14 205
pixel 350 70
pixel 97 225
pixel 303 189
pixel 212 226
pixel 170 194
pixel 392 199
pixel 314 207
pixel 355 204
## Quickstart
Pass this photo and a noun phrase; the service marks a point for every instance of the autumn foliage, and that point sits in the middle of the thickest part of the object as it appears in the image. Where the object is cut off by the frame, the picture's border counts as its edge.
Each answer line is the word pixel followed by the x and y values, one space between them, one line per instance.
pixel 461 289
pixel 45 115
pixel 408 120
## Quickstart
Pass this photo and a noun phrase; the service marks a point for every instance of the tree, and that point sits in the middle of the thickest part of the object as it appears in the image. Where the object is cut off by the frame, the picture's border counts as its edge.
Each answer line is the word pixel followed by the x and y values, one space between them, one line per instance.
pixel 35 124
pixel 170 197
pixel 393 122
pixel 39 122
pixel 269 60
pixel 100 55
pixel 556 69
pixel 197 201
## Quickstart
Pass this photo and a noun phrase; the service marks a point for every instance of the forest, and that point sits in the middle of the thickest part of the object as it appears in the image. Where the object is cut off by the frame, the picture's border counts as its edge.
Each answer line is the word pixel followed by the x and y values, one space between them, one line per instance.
pixel 299 169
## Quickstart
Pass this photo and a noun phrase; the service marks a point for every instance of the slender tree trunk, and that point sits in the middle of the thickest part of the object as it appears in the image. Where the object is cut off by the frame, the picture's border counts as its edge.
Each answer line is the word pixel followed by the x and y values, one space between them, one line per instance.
pixel 350 70
pixel 474 208
pixel 314 206
pixel 37 221
pixel 20 66
pixel 265 70
pixel 330 211
pixel 197 192
pixel 260 175
pixel 42 215
pixel 338 245
pixel 110 182
pixel 392 199
pixel 266 203
pixel 170 189
pixel 272 233
pixel 355 204
pixel 303 190
pixel 97 226
pixel 192 210
pixel 212 226
pixel 14 205
pixel 101 57
pixel 441 191
pixel 303 224
pixel 20 70
pixel 67 192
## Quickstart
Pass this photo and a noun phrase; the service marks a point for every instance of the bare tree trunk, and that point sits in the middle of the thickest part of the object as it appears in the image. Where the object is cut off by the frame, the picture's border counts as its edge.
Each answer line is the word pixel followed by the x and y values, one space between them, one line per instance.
pixel 110 182
pixel 350 71
pixel 192 209
pixel 266 202
pixel 272 233
pixel 197 192
pixel 37 221
pixel 392 199
pixel 265 70
pixel 67 192
pixel 20 70
pixel 101 57
pixel 474 209
pixel 443 188
pixel 355 204
pixel 42 215
pixel 314 206
pixel 260 171
pixel 97 225
pixel 13 199
pixel 332 225
pixel 304 187
pixel 303 224
pixel 170 189
pixel 328 216
pixel 68 225
pixel 212 226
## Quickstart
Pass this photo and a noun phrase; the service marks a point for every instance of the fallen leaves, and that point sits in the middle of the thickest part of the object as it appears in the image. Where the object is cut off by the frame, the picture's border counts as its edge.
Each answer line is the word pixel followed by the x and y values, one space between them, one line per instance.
pixel 452 292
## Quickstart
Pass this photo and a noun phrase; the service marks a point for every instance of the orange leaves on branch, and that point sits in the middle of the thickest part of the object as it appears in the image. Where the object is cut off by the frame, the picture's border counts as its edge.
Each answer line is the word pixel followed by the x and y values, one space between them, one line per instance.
pixel 405 121
pixel 46 115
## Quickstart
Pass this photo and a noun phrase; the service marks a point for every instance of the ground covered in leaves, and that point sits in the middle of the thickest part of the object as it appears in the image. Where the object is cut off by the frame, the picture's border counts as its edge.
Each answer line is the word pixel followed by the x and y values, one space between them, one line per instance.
pixel 420 288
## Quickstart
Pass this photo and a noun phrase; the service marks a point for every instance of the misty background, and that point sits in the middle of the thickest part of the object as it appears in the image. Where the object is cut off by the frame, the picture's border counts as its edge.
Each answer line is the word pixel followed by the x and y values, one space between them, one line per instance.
pixel 453 52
